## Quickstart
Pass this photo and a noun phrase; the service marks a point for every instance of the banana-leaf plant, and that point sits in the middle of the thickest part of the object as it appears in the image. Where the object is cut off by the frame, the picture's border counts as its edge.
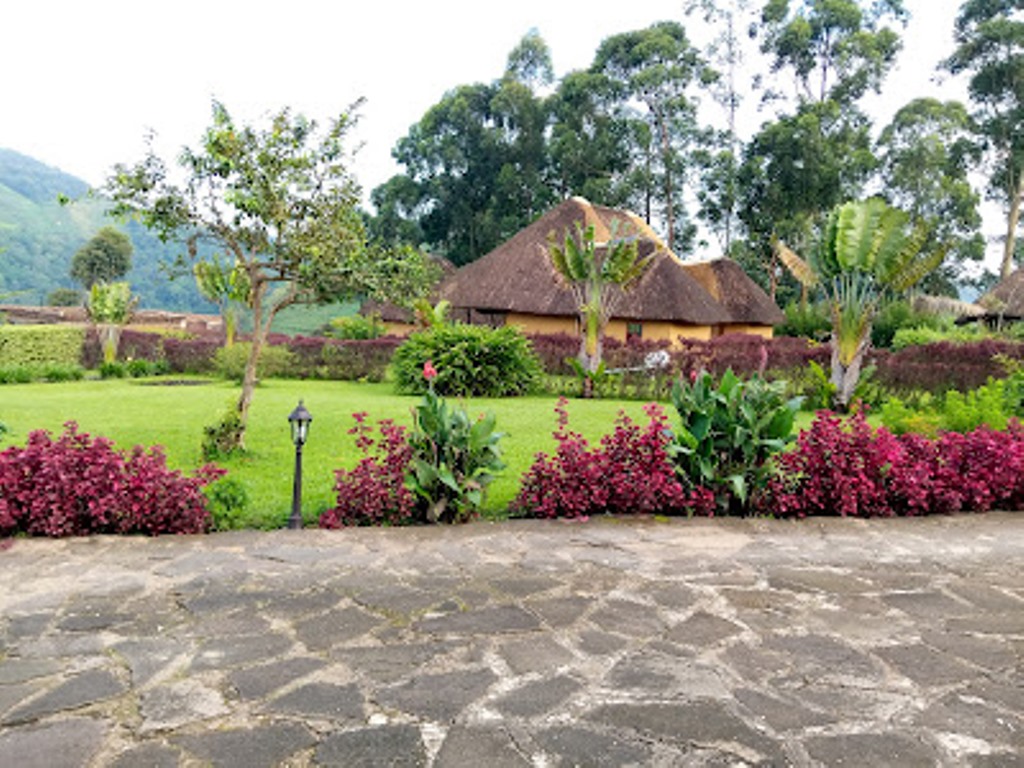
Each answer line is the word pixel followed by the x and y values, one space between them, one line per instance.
pixel 869 250
pixel 597 274
pixel 728 434
pixel 110 307
pixel 454 459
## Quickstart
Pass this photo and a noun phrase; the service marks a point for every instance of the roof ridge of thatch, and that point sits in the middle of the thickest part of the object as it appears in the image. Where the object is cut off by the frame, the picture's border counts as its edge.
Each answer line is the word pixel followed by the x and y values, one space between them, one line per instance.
pixel 517 276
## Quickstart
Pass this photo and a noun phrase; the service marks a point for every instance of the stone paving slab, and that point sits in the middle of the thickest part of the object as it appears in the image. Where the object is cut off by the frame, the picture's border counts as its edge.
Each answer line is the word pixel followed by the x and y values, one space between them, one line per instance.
pixel 608 643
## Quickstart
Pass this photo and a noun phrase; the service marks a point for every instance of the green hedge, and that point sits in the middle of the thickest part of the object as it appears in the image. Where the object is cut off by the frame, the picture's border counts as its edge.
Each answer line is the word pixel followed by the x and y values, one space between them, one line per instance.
pixel 40 345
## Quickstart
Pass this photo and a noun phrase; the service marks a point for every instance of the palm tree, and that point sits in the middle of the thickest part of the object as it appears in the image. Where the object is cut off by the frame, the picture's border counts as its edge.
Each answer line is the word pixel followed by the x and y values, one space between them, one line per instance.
pixel 869 249
pixel 597 275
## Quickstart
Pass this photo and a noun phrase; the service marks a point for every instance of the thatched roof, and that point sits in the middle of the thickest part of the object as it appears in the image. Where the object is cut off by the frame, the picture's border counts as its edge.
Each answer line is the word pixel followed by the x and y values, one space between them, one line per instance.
pixel 944 305
pixel 742 298
pixel 517 276
pixel 1007 298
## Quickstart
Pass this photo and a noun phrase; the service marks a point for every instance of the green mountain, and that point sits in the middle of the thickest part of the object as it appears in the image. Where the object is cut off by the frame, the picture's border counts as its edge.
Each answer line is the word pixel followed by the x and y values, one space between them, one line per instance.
pixel 38 237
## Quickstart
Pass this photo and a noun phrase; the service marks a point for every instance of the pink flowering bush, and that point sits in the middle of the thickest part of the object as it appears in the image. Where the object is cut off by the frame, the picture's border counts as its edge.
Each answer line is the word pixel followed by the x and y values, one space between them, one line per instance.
pixel 374 491
pixel 79 485
pixel 844 467
pixel 631 472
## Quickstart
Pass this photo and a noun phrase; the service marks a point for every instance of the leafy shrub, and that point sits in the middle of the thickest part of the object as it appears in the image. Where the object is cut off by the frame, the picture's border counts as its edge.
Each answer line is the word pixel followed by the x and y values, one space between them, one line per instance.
pixel 809 321
pixel 138 369
pixel 112 370
pixel 359 360
pixel 991 405
pixel 25 374
pixel 40 345
pixel 447 462
pixel 142 345
pixel 836 468
pixel 944 365
pixel 374 492
pixel 919 335
pixel 844 467
pixel 65 297
pixel 630 472
pixel 815 387
pixel 220 439
pixel 962 412
pixel 554 350
pixel 275 361
pixel 56 372
pixel 80 485
pixel 901 418
pixel 356 327
pixel 17 374
pixel 227 499
pixel 896 317
pixel 471 360
pixel 190 355
pixel 729 433
pixel 454 458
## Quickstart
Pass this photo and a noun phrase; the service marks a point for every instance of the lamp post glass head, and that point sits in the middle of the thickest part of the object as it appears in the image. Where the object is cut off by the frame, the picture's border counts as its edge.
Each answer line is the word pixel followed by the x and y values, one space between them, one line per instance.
pixel 299 419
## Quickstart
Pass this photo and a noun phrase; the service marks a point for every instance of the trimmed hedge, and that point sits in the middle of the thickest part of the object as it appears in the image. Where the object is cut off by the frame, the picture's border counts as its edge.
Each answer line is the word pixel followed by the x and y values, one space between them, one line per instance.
pixel 315 357
pixel 944 365
pixel 36 346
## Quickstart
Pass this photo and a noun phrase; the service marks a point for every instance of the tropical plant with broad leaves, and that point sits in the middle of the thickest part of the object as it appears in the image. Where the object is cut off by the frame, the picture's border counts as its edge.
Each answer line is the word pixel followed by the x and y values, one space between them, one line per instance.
pixel 110 308
pixel 728 434
pixel 429 315
pixel 869 250
pixel 454 458
pixel 598 274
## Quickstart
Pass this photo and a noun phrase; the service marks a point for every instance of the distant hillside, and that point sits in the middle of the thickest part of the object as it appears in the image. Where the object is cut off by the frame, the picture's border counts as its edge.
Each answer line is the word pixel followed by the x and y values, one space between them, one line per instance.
pixel 38 237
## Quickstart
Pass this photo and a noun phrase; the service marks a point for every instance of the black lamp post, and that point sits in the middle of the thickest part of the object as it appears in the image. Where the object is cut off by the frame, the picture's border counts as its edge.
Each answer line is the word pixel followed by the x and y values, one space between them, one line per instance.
pixel 299 420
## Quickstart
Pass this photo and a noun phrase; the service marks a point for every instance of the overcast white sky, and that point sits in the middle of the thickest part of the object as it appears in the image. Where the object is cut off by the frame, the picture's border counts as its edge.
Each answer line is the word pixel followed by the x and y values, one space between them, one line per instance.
pixel 84 80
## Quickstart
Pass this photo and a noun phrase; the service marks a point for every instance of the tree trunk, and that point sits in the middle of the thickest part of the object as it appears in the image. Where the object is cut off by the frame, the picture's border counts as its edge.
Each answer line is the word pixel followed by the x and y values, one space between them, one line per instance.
pixel 110 340
pixel 666 155
pixel 591 348
pixel 1012 219
pixel 845 377
pixel 260 328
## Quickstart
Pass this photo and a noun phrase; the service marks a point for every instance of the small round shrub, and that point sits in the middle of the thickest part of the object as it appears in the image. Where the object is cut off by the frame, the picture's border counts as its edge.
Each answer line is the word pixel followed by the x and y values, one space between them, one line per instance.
pixel 57 372
pixel 16 374
pixel 470 360
pixel 227 499
pixel 114 370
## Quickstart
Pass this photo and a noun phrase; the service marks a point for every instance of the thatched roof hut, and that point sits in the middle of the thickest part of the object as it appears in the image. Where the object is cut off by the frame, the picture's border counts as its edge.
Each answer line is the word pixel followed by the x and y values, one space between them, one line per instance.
pixel 742 298
pixel 516 283
pixel 1006 300
pixel 945 305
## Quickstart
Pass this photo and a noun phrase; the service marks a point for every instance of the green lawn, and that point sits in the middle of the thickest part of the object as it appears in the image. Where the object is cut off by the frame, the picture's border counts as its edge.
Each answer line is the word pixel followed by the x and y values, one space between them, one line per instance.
pixel 136 412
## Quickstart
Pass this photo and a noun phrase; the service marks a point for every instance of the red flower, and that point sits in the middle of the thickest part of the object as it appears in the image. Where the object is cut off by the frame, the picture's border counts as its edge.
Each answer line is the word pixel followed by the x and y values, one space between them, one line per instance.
pixel 429 371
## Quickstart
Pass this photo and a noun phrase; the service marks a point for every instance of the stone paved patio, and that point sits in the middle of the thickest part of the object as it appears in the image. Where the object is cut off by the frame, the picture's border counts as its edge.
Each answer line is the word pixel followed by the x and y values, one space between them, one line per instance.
pixel 614 642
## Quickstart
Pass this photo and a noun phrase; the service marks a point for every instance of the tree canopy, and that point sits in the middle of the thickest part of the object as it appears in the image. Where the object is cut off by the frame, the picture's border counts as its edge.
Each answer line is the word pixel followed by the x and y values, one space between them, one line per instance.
pixel 989 35
pixel 281 204
pixel 105 258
